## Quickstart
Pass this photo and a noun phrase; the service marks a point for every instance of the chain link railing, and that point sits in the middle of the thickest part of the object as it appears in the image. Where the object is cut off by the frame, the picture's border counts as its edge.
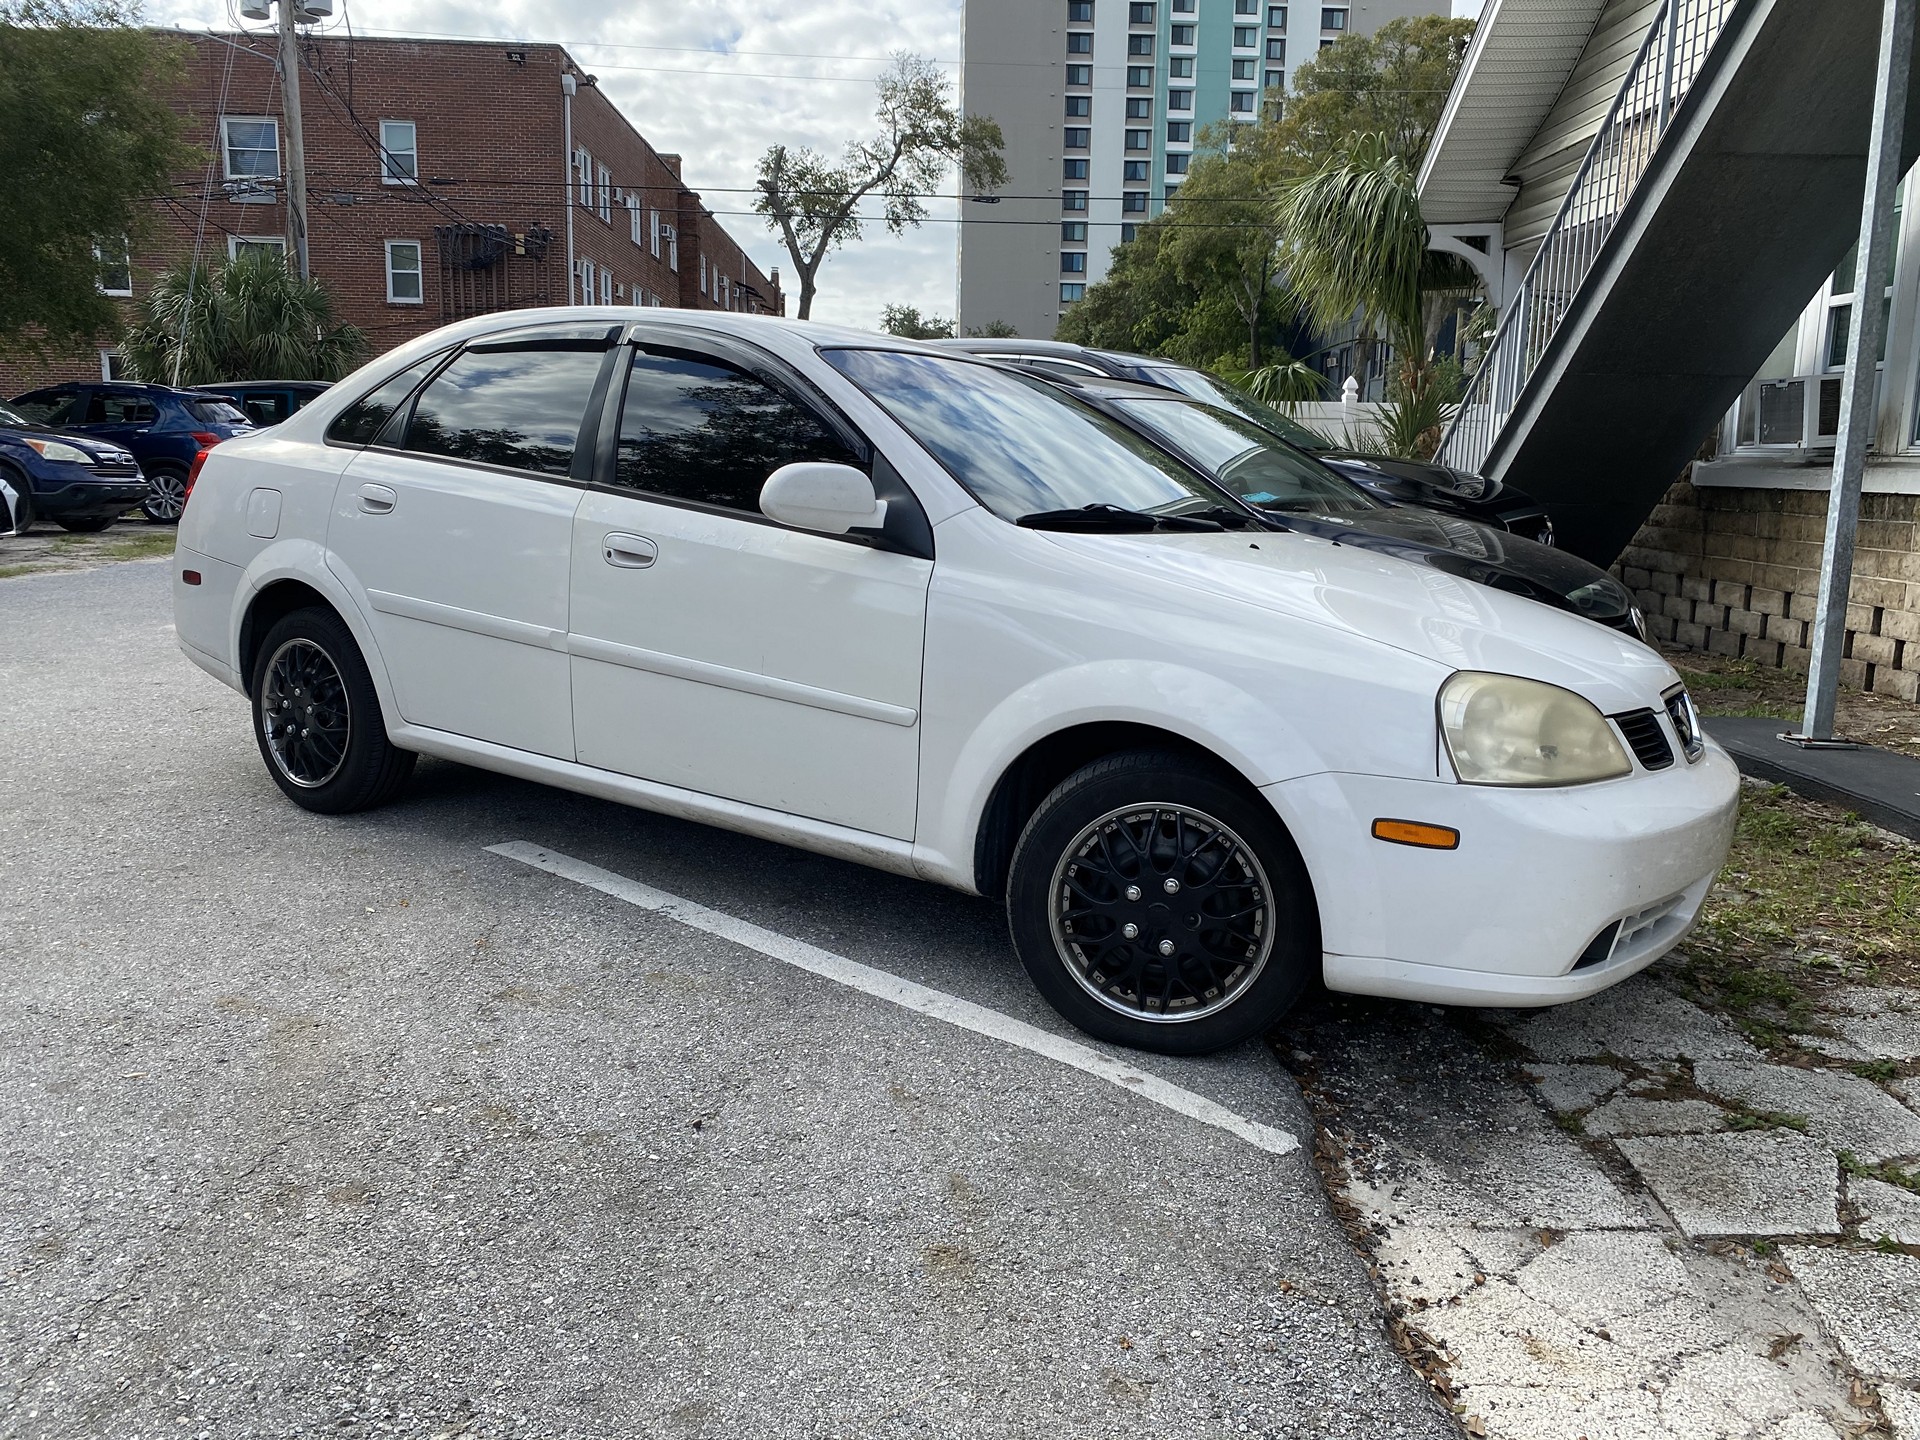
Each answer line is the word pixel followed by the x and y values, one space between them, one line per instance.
pixel 1676 46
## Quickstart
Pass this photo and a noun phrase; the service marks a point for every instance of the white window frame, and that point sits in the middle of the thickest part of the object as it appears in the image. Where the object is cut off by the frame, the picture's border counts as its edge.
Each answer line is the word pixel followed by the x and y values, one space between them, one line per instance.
pixel 583 172
pixel 237 243
pixel 584 276
pixel 603 193
pixel 633 219
pixel 653 232
pixel 388 154
pixel 100 253
pixel 703 274
pixel 606 287
pixel 673 248
pixel 419 272
pixel 226 155
pixel 112 365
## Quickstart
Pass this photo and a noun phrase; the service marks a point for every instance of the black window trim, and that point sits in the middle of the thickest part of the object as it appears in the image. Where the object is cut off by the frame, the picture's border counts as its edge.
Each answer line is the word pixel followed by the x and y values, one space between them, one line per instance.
pixel 436 362
pixel 907 530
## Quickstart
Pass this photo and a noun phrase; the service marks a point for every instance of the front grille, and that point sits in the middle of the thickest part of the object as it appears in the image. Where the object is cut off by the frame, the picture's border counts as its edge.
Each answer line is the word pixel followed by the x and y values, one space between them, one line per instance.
pixel 106 471
pixel 1649 741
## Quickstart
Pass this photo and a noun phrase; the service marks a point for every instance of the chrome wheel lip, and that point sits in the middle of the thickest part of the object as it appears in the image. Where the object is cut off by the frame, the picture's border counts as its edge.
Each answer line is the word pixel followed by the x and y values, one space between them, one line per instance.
pixel 274 686
pixel 1065 947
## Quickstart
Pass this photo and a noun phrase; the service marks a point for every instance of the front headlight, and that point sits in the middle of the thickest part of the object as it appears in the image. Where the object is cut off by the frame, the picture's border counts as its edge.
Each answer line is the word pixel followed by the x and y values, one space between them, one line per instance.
pixel 59 450
pixel 1503 730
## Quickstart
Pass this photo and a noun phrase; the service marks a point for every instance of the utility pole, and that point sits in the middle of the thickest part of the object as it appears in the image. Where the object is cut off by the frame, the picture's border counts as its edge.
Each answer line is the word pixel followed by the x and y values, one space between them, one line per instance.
pixel 296 138
pixel 1857 411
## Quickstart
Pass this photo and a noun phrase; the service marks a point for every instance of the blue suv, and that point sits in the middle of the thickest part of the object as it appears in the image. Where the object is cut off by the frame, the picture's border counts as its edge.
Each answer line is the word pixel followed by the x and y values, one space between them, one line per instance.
pixel 164 428
pixel 76 481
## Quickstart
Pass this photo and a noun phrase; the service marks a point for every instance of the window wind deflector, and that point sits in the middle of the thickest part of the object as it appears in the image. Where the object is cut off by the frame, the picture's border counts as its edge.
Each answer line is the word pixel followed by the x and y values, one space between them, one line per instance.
pixel 1114 519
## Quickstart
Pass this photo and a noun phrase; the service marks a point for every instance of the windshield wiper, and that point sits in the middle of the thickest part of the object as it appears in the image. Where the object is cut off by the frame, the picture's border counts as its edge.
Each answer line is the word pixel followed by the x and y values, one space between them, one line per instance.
pixel 1119 519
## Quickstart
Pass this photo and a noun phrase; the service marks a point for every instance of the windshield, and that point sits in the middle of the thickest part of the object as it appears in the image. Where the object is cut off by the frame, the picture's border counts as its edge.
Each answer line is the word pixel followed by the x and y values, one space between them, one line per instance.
pixel 1215 391
pixel 1247 460
pixel 13 417
pixel 1018 445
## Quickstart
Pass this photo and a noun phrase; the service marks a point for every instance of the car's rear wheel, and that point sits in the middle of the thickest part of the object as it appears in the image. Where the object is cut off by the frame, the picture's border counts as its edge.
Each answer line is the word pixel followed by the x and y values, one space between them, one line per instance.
pixel 166 494
pixel 1157 902
pixel 317 718
pixel 86 524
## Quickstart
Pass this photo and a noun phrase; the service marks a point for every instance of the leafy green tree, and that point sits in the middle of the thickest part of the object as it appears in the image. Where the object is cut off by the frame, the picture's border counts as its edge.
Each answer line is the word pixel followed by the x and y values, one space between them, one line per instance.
pixel 86 139
pixel 814 202
pixel 993 330
pixel 908 323
pixel 1392 83
pixel 253 319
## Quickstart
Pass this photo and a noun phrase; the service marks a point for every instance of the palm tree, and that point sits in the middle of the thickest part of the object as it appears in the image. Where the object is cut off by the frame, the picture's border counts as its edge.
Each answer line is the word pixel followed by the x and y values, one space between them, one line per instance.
pixel 1355 248
pixel 253 319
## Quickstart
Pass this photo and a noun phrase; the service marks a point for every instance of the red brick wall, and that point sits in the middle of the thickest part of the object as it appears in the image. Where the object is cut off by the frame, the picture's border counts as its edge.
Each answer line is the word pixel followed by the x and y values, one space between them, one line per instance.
pixel 489 127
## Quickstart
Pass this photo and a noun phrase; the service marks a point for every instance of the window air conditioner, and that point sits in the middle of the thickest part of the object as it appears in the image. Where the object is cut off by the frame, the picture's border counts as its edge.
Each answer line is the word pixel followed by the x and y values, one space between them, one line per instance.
pixel 1803 411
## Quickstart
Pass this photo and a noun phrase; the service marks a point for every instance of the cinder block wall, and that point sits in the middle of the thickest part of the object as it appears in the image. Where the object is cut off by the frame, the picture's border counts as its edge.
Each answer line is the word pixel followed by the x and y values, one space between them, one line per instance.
pixel 1736 572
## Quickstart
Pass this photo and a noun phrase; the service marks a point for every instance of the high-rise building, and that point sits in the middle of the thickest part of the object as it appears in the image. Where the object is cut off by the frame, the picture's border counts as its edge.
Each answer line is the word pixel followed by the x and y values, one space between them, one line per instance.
pixel 1100 101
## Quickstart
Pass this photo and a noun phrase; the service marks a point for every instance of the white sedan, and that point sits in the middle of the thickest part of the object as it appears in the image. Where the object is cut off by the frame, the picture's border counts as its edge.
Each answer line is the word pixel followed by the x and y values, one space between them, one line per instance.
pixel 903 607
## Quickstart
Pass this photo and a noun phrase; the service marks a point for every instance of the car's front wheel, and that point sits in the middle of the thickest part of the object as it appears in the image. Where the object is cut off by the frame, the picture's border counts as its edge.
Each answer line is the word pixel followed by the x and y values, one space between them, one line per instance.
pixel 317 718
pixel 1158 903
pixel 166 494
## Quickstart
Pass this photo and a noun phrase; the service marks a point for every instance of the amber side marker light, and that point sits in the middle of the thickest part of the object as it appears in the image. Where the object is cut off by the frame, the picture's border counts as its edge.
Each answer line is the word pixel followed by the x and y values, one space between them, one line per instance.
pixel 190 577
pixel 1413 832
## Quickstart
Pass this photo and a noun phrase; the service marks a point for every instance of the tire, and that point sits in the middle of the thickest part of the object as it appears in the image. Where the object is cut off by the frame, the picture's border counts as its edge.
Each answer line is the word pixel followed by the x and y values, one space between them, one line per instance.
pixel 166 495
pixel 1240 958
pixel 309 668
pixel 87 524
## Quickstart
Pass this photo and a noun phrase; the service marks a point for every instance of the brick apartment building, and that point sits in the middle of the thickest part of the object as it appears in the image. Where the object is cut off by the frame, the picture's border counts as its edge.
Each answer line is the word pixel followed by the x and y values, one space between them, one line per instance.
pixel 440 184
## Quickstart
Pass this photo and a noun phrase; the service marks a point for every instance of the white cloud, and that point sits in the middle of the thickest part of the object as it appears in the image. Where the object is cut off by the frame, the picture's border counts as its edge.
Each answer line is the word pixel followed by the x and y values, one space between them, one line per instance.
pixel 715 104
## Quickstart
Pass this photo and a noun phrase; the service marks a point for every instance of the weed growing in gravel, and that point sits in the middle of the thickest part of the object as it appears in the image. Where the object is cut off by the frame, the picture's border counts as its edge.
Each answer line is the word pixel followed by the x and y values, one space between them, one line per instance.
pixel 1884 1171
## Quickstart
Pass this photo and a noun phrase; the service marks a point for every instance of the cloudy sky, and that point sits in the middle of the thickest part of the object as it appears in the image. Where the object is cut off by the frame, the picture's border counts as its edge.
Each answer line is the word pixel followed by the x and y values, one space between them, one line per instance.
pixel 718 81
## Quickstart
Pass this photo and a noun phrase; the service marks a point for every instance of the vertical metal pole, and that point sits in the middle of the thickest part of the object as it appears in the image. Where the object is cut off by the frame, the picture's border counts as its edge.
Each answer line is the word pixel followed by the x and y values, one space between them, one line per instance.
pixel 1666 73
pixel 296 139
pixel 1857 414
pixel 567 86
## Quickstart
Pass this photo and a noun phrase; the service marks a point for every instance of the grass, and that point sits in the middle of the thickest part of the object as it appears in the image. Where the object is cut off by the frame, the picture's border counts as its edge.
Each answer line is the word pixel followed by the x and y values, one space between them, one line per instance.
pixel 141 547
pixel 7 572
pixel 1884 1171
pixel 1810 897
pixel 1745 1119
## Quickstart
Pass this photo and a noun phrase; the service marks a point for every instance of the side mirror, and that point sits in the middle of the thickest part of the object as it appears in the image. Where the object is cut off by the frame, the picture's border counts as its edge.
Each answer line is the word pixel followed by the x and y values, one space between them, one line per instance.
pixel 817 495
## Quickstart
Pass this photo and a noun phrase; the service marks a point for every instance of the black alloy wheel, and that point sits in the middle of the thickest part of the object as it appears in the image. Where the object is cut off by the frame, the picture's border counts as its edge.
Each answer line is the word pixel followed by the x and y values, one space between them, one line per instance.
pixel 317 718
pixel 166 495
pixel 1158 902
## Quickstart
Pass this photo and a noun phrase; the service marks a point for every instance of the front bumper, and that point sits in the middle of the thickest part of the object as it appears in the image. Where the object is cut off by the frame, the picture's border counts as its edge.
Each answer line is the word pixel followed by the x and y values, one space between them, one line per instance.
pixel 1524 911
pixel 79 498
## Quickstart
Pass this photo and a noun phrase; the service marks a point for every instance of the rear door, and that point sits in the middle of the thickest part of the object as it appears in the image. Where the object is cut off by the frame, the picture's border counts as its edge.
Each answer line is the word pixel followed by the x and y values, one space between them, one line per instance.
pixel 458 524
pixel 123 416
pixel 717 651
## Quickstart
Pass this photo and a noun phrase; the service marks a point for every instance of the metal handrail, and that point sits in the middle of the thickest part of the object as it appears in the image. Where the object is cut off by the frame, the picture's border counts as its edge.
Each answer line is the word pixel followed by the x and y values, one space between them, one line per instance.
pixel 1670 57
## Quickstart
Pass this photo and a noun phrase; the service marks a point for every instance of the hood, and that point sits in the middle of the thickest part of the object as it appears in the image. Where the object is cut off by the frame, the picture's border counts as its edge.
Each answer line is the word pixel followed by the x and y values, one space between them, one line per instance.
pixel 100 450
pixel 1422 475
pixel 1482 554
pixel 1416 608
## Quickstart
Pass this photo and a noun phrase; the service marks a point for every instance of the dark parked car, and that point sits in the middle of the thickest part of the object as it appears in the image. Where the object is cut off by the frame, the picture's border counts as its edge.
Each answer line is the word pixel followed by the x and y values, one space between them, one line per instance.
pixel 163 427
pixel 267 402
pixel 77 481
pixel 1308 497
pixel 1398 482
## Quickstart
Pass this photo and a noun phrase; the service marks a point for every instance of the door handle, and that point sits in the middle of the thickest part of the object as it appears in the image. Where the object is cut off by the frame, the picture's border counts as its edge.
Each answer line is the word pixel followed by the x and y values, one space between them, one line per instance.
pixel 377 499
pixel 629 552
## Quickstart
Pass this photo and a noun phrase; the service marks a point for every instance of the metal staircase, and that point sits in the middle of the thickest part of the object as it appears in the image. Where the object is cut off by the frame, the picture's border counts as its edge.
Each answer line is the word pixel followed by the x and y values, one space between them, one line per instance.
pixel 1676 45
pixel 1723 187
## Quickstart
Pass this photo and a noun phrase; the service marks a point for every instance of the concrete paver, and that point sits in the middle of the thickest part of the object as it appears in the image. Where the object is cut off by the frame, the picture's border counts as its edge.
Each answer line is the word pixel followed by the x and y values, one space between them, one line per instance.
pixel 1747 1183
pixel 1843 1110
pixel 1872 1023
pixel 1631 1115
pixel 1885 1210
pixel 1869 1302
pixel 1903 1411
pixel 1570 1088
pixel 1634 1022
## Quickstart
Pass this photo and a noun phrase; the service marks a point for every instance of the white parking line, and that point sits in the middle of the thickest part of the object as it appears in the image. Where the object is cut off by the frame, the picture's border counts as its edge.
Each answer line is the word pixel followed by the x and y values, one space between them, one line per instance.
pixel 905 993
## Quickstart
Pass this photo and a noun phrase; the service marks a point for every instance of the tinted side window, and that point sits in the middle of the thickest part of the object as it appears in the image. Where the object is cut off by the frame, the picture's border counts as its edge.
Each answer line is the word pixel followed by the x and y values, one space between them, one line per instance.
pixel 361 421
pixel 47 407
pixel 217 412
pixel 692 428
pixel 118 408
pixel 518 405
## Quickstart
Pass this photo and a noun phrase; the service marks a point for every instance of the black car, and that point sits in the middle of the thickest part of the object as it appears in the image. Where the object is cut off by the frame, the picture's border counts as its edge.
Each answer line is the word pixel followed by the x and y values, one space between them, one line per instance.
pixel 1304 495
pixel 267 402
pixel 76 481
pixel 1398 482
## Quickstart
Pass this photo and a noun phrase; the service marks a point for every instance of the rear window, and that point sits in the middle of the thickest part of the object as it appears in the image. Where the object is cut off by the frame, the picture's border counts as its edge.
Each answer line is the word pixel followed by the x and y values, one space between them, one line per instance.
pixel 216 412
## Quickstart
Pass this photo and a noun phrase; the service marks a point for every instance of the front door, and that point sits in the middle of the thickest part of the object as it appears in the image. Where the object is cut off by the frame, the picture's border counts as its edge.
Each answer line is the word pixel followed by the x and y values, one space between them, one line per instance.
pixel 719 652
pixel 458 523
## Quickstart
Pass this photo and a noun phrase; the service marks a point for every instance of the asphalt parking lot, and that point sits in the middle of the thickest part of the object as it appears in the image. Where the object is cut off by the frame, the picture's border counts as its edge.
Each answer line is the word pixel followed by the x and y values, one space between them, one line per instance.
pixel 359 1127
